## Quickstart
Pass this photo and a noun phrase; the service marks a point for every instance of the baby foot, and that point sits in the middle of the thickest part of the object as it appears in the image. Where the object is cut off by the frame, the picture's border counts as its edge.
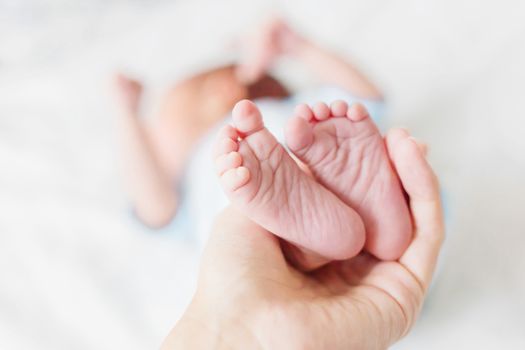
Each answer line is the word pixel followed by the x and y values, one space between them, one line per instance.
pixel 266 185
pixel 345 152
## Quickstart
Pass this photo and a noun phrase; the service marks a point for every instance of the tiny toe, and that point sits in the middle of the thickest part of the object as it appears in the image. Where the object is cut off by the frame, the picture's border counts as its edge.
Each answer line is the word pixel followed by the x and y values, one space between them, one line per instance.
pixel 228 131
pixel 246 117
pixel 298 134
pixel 225 146
pixel 228 161
pixel 304 111
pixel 234 178
pixel 339 108
pixel 321 111
pixel 357 112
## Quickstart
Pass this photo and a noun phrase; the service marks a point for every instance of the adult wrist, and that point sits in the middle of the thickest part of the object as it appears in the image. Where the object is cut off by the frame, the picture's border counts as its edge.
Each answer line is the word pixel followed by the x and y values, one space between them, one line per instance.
pixel 210 326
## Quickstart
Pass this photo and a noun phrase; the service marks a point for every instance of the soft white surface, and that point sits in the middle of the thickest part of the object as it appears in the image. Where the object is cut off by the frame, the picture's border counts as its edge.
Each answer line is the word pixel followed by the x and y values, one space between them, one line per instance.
pixel 76 273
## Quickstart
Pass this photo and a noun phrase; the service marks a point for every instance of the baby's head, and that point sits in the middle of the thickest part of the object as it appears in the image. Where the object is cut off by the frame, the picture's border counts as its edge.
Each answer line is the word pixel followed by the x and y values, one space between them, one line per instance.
pixel 212 94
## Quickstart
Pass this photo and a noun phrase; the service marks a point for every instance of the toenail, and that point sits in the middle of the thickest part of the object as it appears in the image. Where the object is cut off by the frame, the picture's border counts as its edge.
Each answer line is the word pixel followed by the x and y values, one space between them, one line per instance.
pixel 357 112
pixel 339 108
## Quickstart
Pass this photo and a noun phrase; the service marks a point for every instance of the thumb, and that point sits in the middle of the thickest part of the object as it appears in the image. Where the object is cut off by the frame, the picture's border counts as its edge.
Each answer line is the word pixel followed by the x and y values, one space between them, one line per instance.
pixel 237 245
pixel 421 185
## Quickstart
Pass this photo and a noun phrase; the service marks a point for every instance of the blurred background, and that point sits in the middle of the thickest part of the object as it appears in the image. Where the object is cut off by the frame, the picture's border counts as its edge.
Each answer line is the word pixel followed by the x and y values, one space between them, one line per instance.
pixel 76 272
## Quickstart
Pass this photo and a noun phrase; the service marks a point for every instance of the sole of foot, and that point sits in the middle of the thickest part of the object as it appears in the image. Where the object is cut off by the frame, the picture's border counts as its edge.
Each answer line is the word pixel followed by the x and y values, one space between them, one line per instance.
pixel 346 153
pixel 264 183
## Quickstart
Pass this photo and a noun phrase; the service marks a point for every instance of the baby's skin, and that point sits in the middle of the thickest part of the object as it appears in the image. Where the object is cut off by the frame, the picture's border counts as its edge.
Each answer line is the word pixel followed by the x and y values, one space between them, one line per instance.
pixel 267 185
pixel 344 152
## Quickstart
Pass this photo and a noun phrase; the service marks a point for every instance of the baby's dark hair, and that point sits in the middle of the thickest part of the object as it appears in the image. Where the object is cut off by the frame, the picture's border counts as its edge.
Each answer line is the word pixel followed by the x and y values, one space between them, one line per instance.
pixel 210 82
pixel 267 86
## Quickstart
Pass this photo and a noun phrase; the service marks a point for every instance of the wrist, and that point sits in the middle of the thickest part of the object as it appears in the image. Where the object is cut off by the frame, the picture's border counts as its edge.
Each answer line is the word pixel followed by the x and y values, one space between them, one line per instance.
pixel 213 326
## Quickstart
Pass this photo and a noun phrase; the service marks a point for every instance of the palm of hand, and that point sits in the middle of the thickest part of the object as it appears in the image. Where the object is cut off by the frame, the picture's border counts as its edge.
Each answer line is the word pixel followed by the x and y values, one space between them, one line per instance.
pixel 363 294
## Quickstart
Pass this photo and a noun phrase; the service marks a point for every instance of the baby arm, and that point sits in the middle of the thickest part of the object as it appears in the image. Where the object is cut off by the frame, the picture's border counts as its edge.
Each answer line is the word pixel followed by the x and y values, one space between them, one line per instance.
pixel 275 38
pixel 327 65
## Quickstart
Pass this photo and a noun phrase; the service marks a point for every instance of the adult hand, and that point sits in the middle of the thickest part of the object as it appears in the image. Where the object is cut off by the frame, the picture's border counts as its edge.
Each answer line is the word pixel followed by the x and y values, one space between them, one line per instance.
pixel 248 296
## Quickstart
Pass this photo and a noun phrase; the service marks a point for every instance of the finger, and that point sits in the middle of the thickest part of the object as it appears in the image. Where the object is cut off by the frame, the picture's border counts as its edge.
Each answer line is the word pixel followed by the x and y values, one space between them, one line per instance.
pixel 423 147
pixel 397 134
pixel 238 246
pixel 301 258
pixel 237 241
pixel 421 185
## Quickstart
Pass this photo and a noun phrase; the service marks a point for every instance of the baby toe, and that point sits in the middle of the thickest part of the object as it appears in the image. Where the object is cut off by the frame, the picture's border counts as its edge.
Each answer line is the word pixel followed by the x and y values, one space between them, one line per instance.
pixel 298 134
pixel 339 108
pixel 321 111
pixel 304 111
pixel 357 112
pixel 226 141
pixel 228 161
pixel 235 178
pixel 225 146
pixel 247 118
pixel 228 131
